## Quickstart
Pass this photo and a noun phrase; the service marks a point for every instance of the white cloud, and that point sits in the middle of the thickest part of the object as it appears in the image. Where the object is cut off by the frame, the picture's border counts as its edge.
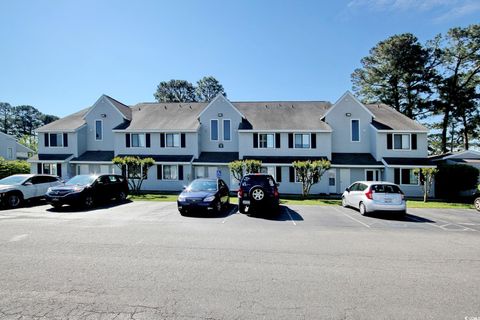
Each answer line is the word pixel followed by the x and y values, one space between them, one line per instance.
pixel 446 9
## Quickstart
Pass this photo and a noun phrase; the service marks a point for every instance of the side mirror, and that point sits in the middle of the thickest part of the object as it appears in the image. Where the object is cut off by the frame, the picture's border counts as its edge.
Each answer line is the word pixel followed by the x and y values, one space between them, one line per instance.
pixel 348 189
pixel 184 188
pixel 28 183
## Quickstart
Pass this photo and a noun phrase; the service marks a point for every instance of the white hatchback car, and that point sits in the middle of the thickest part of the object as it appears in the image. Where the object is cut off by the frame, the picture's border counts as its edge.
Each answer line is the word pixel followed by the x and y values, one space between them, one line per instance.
pixel 17 188
pixel 370 196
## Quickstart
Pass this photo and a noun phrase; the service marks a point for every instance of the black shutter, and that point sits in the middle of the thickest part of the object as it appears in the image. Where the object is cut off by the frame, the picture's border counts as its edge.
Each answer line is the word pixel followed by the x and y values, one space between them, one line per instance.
pixel 59 169
pixel 180 172
pixel 162 140
pixel 39 168
pixel 389 141
pixel 279 174
pixel 405 176
pixel 292 174
pixel 315 179
pixel 277 140
pixel 290 140
pixel 397 176
pixel 127 140
pixel 147 140
pixel 182 140
pixel 314 140
pixel 414 141
pixel 46 141
pixel 255 140
pixel 65 139
pixel 159 172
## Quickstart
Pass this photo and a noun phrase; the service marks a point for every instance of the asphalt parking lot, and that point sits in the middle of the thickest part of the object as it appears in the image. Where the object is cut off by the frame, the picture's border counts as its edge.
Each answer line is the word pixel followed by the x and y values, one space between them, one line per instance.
pixel 143 260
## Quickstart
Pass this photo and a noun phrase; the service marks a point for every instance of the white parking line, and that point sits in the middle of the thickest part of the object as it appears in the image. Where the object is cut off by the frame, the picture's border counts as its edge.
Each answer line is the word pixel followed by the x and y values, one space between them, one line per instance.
pixel 291 219
pixel 232 211
pixel 446 223
pixel 347 215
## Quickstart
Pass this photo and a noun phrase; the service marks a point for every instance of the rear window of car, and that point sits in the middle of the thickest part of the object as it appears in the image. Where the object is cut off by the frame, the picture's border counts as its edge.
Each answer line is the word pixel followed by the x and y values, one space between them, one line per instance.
pixel 385 188
pixel 258 180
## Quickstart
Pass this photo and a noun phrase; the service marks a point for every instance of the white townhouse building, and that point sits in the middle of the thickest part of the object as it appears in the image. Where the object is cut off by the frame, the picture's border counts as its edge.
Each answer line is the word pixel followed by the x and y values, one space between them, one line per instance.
pixel 11 149
pixel 192 140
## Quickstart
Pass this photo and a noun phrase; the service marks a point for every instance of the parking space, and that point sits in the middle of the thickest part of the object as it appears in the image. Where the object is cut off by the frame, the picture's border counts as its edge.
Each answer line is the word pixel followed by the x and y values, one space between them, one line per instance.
pixel 298 216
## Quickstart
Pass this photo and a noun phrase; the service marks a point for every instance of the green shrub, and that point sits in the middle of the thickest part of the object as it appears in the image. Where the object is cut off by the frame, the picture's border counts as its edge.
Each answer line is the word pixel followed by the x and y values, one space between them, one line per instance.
pixel 9 167
pixel 453 179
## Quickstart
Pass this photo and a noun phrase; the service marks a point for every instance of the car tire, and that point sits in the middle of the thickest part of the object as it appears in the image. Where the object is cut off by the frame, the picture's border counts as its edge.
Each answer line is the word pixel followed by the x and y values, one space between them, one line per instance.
pixel 56 206
pixel 257 194
pixel 241 207
pixel 14 200
pixel 344 202
pixel 477 203
pixel 363 209
pixel 88 201
pixel 122 196
pixel 182 212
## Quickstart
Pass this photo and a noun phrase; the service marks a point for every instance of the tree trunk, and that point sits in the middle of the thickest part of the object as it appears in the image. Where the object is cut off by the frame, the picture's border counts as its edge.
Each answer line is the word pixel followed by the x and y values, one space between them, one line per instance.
pixel 465 132
pixel 445 123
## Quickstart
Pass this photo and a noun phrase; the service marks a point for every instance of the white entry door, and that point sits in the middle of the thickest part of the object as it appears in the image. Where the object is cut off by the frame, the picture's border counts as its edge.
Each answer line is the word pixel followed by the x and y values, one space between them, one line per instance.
pixel 212 172
pixel 344 179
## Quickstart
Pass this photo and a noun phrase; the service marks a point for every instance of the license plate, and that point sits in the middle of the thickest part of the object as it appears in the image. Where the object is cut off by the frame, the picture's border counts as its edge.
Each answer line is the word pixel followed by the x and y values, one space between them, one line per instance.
pixel 55 199
pixel 388 200
pixel 246 201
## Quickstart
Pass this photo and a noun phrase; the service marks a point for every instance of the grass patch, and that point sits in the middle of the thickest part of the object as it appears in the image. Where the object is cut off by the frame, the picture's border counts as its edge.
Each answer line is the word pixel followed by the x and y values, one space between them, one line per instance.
pixel 295 200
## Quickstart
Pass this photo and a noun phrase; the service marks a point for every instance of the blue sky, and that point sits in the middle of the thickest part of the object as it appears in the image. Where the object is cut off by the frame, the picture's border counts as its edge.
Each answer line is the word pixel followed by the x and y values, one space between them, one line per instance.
pixel 60 56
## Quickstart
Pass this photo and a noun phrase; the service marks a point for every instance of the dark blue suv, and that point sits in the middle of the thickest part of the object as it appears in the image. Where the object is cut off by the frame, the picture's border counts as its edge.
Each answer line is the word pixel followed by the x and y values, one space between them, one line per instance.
pixel 258 191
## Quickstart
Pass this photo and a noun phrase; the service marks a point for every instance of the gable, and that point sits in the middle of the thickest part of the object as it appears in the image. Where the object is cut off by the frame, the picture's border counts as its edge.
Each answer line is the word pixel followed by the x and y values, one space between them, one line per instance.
pixel 348 103
pixel 221 105
pixel 107 103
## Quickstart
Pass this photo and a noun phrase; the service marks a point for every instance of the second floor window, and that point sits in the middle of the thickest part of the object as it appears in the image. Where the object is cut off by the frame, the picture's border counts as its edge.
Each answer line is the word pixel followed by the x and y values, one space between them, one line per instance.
pixel 226 130
pixel 173 140
pixel 355 130
pixel 213 129
pixel 401 141
pixel 302 141
pixel 98 130
pixel 138 140
pixel 56 140
pixel 266 140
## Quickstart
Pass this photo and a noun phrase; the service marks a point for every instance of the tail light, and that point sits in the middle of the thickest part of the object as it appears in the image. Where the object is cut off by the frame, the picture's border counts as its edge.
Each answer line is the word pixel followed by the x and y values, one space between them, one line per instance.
pixel 240 193
pixel 402 195
pixel 275 193
pixel 369 194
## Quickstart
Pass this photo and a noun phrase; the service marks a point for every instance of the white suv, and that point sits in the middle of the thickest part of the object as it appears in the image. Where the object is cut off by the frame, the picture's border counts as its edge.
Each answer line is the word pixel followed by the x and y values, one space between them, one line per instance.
pixel 369 196
pixel 20 187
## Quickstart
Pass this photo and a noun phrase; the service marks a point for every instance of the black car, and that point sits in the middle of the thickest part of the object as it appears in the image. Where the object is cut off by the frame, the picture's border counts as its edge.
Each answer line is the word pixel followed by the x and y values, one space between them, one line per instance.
pixel 258 191
pixel 86 190
pixel 210 195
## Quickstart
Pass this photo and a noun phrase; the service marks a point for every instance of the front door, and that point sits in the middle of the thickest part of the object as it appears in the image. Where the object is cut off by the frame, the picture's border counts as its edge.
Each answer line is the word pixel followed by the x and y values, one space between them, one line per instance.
pixel 344 179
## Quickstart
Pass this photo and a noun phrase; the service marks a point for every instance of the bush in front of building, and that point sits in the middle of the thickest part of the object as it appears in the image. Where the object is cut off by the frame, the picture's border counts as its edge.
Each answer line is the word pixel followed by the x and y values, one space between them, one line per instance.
pixel 452 179
pixel 9 167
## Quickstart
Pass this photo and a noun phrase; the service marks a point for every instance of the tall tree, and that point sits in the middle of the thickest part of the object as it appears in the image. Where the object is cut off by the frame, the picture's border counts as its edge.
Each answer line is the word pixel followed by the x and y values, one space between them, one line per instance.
pixel 26 120
pixel 398 71
pixel 175 91
pixel 208 88
pixel 460 80
pixel 5 117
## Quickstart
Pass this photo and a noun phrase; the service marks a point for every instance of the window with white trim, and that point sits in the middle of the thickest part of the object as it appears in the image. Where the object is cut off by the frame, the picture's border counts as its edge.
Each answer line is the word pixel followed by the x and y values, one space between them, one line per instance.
pixel 138 140
pixel 56 139
pixel 227 134
pixel 98 130
pixel 269 170
pixel 372 175
pixel 355 130
pixel 406 177
pixel 401 141
pixel 172 140
pixel 10 153
pixel 266 140
pixel 302 141
pixel 170 172
pixel 214 129
pixel 49 168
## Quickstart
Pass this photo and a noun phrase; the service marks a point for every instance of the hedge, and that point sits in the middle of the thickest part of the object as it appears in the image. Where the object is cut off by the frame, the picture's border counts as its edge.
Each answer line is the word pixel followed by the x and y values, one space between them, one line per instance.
pixel 9 167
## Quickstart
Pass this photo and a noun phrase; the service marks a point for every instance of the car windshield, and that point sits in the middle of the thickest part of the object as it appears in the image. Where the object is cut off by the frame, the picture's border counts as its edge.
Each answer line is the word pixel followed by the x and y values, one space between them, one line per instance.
pixel 82 180
pixel 203 185
pixel 13 180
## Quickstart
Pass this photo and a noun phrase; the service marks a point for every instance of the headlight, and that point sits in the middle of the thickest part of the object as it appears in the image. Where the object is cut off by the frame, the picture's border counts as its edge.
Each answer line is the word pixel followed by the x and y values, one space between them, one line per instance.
pixel 181 198
pixel 49 190
pixel 209 199
pixel 78 189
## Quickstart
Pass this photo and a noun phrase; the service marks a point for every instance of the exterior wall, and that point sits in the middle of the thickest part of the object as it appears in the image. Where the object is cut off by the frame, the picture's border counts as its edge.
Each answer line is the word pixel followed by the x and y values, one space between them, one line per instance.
pixel 219 105
pixel 112 119
pixel 191 145
pixel 382 151
pixel 153 184
pixel 81 138
pixel 341 126
pixel 373 143
pixel 409 190
pixel 71 149
pixel 323 148
pixel 5 143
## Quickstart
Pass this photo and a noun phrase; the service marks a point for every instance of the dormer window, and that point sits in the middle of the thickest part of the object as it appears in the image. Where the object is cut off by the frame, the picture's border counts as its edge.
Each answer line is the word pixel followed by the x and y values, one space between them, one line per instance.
pixel 98 130
pixel 355 130
pixel 214 129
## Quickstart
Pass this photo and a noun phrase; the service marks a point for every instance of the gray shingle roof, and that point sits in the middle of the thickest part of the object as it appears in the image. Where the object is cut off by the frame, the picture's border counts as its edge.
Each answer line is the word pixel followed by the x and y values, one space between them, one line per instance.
pixel 283 159
pixel 124 109
pixel 164 116
pixel 408 161
pixel 89 156
pixel 284 115
pixel 216 157
pixel 50 157
pixel 387 118
pixel 68 123
pixel 162 158
pixel 359 159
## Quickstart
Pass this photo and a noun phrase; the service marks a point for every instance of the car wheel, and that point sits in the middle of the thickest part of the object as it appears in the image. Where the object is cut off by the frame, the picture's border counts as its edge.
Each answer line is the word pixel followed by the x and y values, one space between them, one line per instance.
pixel 88 201
pixel 122 196
pixel 344 202
pixel 241 208
pixel 257 194
pixel 363 209
pixel 477 204
pixel 182 212
pixel 14 200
